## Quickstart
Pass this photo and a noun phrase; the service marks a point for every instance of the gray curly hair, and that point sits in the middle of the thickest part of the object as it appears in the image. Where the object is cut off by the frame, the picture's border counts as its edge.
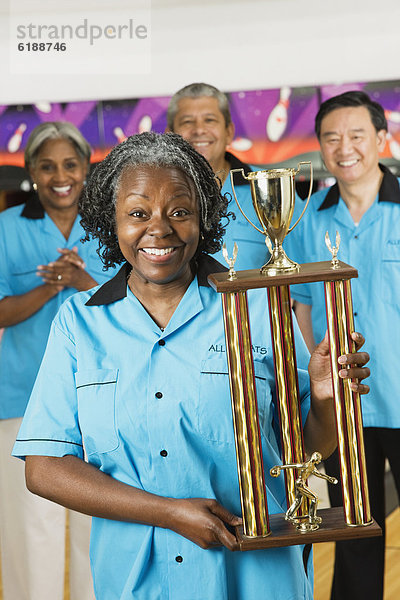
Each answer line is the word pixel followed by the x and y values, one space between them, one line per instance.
pixel 97 204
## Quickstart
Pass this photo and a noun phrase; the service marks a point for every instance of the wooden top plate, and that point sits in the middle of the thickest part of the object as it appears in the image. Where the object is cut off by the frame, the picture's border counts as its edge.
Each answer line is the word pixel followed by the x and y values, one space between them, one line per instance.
pixel 307 273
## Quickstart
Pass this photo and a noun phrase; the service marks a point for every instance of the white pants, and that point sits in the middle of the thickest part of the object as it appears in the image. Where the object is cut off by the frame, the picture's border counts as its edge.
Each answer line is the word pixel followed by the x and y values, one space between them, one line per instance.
pixel 32 536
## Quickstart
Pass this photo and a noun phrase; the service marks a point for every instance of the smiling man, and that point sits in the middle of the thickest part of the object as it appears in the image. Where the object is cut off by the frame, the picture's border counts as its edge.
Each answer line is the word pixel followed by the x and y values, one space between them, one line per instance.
pixel 200 114
pixel 364 207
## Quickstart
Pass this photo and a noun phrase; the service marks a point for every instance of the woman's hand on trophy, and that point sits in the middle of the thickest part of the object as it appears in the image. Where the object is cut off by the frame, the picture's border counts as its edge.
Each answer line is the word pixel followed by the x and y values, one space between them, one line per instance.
pixel 203 521
pixel 352 367
pixel 319 430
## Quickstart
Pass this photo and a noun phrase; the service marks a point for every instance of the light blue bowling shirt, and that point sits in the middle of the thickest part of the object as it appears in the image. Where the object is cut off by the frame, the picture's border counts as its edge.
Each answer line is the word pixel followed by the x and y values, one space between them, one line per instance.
pixel 373 248
pixel 28 238
pixel 152 409
pixel 253 252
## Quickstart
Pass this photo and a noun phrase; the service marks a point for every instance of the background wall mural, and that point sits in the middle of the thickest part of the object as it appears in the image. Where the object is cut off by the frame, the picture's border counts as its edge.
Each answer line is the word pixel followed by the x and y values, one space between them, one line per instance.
pixel 272 126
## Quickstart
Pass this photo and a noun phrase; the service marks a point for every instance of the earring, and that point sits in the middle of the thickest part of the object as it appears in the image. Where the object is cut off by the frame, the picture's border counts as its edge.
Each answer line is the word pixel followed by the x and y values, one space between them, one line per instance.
pixel 202 237
pixel 34 185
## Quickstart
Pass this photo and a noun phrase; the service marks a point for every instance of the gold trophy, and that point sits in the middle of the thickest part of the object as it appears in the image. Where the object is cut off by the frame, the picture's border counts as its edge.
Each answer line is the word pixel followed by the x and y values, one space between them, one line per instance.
pixel 273 195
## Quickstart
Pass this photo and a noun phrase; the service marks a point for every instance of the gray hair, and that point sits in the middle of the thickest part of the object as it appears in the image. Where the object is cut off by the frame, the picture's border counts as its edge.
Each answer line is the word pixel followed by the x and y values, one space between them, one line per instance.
pixel 198 90
pixel 97 204
pixel 55 130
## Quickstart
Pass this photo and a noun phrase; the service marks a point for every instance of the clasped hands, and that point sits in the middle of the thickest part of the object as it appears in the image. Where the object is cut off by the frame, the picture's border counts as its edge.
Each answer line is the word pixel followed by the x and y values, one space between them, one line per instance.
pixel 66 271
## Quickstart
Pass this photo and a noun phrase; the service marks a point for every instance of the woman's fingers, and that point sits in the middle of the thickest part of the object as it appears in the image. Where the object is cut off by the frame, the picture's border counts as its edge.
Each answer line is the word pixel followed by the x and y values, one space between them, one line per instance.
pixel 354 366
pixel 358 338
pixel 358 358
pixel 204 521
pixel 71 256
pixel 224 536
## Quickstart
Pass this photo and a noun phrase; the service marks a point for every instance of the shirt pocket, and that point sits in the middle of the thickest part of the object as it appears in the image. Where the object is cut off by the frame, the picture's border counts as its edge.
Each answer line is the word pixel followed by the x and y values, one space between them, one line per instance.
pixel 390 272
pixel 24 278
pixel 96 390
pixel 215 421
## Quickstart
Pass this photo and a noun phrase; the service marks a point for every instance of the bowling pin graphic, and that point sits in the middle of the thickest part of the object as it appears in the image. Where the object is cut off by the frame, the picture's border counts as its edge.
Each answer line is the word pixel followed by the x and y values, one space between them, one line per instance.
pixel 394 146
pixel 44 107
pixel 119 134
pixel 277 120
pixel 241 144
pixel 14 143
pixel 393 116
pixel 145 124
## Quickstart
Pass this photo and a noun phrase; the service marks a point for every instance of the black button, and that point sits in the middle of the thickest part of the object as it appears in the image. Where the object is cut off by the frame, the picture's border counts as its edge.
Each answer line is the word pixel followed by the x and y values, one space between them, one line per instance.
pixel 356 237
pixel 355 314
pixel 179 559
pixel 161 343
pixel 158 394
pixel 164 453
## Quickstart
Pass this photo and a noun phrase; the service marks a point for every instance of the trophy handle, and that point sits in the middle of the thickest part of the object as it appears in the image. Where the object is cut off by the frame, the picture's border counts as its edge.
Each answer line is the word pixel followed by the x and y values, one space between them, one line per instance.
pixel 304 162
pixel 237 201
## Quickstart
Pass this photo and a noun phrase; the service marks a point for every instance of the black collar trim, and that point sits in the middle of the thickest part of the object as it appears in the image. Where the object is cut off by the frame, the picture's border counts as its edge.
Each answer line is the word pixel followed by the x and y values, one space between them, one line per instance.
pixel 235 163
pixel 33 208
pixel 116 288
pixel 389 190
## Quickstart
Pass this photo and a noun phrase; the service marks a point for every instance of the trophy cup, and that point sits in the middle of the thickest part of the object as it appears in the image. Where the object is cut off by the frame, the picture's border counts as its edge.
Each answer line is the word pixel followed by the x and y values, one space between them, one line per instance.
pixel 273 195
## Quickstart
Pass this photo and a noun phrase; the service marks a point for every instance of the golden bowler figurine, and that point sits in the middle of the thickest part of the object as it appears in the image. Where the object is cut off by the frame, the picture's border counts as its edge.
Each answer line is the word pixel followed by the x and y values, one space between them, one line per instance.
pixel 309 522
pixel 273 195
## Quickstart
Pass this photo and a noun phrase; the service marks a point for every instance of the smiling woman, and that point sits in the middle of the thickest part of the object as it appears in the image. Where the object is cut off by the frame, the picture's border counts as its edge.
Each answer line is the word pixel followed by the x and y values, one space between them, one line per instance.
pixel 158 228
pixel 138 384
pixel 42 262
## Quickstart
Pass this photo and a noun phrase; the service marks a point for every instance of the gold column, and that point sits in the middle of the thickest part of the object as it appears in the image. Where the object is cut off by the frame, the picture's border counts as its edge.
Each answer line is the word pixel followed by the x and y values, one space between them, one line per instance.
pixel 245 415
pixel 339 308
pixel 287 387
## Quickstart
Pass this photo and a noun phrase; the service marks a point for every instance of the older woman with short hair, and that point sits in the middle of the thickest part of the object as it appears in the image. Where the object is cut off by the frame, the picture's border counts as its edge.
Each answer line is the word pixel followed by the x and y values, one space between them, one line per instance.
pixel 42 262
pixel 139 370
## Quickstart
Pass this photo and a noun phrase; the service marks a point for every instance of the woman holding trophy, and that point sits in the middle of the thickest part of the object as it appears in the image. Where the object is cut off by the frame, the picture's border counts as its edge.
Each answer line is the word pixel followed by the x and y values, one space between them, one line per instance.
pixel 139 370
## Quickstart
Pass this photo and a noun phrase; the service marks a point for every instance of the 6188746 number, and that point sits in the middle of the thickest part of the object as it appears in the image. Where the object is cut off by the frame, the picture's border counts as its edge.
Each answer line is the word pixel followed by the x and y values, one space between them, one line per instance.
pixel 42 46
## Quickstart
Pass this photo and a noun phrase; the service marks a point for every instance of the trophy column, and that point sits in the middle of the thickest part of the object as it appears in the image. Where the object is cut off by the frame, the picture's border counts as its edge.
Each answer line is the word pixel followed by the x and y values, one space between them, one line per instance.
pixel 339 310
pixel 245 415
pixel 287 387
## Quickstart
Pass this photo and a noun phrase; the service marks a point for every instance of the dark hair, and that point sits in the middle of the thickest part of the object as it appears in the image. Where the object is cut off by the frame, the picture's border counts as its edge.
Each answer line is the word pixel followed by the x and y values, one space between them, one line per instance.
pixel 97 204
pixel 198 90
pixel 354 98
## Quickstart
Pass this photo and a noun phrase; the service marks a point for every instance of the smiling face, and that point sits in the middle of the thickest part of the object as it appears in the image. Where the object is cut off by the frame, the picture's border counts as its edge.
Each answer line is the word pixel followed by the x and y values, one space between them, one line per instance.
pixel 157 224
pixel 350 144
pixel 202 124
pixel 59 173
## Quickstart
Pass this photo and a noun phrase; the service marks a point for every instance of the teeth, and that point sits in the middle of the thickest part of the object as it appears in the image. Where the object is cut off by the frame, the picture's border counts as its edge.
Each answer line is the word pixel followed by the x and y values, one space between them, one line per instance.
pixel 201 143
pixel 62 190
pixel 348 163
pixel 158 251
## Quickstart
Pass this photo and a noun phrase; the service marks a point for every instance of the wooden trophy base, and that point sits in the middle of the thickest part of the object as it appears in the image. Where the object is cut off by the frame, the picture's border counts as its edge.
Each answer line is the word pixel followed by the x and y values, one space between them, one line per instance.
pixel 283 533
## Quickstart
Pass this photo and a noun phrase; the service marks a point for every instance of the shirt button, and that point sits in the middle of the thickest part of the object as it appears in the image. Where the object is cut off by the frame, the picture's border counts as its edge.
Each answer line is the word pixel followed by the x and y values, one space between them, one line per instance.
pixel 164 453
pixel 178 559
pixel 158 395
pixel 355 314
pixel 356 237
pixel 161 343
